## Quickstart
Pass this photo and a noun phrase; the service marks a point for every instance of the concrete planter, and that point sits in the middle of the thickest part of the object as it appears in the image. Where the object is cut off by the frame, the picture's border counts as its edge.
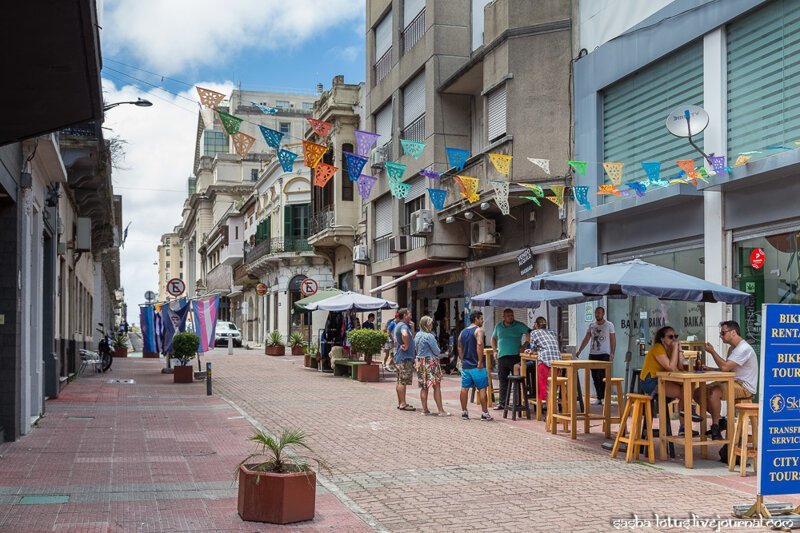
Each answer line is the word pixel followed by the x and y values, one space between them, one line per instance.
pixel 183 374
pixel 369 373
pixel 276 498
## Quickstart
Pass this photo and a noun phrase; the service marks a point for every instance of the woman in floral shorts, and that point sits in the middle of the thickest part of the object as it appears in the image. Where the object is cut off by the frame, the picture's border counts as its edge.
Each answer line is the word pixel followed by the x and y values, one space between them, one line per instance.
pixel 429 373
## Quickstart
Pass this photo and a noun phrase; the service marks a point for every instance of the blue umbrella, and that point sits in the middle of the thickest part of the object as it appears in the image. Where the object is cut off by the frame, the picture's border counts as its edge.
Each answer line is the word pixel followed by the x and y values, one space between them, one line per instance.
pixel 520 294
pixel 637 278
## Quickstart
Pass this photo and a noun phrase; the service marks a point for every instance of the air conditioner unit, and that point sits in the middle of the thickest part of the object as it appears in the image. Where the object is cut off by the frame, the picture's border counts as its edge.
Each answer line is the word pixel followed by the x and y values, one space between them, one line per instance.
pixel 421 222
pixel 399 244
pixel 360 254
pixel 378 157
pixel 482 233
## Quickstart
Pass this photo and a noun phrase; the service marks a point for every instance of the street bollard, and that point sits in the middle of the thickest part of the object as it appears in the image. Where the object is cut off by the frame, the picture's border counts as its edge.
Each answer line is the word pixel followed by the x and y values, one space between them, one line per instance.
pixel 208 379
pixel 230 345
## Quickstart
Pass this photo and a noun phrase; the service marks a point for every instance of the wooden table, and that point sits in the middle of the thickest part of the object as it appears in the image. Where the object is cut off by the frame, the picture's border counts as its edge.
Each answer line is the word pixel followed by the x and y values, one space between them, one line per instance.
pixel 690 380
pixel 523 370
pixel 572 367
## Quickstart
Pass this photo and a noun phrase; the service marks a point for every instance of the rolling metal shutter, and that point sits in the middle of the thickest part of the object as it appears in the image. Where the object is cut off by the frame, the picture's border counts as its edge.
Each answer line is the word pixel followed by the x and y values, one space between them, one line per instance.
pixel 635 111
pixel 496 103
pixel 383 215
pixel 411 9
pixel 383 36
pixel 418 186
pixel 414 99
pixel 763 81
pixel 383 124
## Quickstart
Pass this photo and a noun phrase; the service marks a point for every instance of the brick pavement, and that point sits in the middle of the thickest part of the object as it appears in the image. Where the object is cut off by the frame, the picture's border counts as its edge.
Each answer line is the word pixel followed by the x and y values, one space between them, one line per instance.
pixel 148 456
pixel 406 472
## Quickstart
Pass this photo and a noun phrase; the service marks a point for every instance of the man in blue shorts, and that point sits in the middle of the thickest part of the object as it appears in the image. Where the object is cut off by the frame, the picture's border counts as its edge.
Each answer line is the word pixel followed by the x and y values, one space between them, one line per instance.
pixel 473 364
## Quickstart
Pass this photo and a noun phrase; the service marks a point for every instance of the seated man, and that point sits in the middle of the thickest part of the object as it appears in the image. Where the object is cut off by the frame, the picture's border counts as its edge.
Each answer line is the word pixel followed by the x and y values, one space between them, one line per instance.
pixel 545 343
pixel 741 360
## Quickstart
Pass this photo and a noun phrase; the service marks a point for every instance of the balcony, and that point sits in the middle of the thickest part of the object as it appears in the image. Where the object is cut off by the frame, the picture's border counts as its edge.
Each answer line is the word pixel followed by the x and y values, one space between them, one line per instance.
pixel 219 279
pixel 322 220
pixel 382 67
pixel 413 32
pixel 380 248
pixel 415 131
pixel 275 250
pixel 414 242
pixel 334 226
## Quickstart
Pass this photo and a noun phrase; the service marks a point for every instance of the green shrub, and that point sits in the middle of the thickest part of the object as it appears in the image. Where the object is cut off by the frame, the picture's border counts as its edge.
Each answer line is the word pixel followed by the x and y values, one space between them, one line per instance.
pixel 275 338
pixel 296 339
pixel 184 347
pixel 367 341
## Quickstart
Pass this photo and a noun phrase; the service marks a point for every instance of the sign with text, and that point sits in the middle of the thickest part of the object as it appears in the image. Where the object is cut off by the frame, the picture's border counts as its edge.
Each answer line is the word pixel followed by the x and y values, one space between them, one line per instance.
pixel 779 405
pixel 757 258
pixel 525 260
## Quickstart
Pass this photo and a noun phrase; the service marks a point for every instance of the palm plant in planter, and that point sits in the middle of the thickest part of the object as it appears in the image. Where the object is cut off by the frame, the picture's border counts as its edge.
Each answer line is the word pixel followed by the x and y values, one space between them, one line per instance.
pixel 368 342
pixel 275 344
pixel 297 343
pixel 184 348
pixel 281 488
pixel 120 345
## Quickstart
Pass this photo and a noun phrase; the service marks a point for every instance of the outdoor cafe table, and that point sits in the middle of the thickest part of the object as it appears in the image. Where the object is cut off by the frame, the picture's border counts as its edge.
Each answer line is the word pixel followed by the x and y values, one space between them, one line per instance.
pixel 523 371
pixel 572 367
pixel 690 381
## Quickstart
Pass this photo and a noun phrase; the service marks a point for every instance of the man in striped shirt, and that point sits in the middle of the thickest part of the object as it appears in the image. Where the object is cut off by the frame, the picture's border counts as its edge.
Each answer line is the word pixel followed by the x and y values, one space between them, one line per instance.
pixel 545 343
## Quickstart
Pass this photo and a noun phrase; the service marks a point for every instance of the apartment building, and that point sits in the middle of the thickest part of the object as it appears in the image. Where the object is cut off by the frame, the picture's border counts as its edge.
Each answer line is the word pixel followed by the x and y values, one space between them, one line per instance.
pixel 170 263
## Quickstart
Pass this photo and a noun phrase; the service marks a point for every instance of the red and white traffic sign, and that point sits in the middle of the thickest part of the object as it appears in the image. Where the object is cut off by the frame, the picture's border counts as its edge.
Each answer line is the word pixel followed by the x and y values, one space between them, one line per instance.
pixel 757 258
pixel 176 287
pixel 309 287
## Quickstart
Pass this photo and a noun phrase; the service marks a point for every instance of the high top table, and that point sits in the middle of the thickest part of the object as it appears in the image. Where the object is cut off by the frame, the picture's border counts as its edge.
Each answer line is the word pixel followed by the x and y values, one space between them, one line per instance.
pixel 572 367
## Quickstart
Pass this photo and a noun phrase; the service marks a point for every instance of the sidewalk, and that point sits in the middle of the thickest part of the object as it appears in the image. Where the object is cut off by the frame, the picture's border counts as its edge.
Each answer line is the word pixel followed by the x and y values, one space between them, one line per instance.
pixel 142 456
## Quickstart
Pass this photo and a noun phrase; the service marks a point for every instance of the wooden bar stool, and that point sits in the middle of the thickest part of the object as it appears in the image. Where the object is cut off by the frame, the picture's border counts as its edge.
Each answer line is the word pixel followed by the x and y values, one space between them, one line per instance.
pixel 516 389
pixel 748 415
pixel 616 383
pixel 636 407
pixel 556 396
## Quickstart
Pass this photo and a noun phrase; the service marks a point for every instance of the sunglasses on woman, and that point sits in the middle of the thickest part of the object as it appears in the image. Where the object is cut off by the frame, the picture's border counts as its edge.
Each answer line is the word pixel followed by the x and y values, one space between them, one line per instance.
pixel 671 336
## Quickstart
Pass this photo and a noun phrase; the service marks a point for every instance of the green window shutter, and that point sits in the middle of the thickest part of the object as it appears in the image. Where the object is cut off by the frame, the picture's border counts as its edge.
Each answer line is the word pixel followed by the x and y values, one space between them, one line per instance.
pixel 635 111
pixel 267 228
pixel 763 82
pixel 287 223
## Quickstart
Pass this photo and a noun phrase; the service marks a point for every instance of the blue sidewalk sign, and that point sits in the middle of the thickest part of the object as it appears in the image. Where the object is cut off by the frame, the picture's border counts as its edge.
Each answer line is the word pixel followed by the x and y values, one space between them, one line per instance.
pixel 779 406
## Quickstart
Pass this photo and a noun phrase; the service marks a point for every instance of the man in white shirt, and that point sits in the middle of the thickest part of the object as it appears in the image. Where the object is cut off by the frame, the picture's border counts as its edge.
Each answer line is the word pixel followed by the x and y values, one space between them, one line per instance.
pixel 742 361
pixel 604 343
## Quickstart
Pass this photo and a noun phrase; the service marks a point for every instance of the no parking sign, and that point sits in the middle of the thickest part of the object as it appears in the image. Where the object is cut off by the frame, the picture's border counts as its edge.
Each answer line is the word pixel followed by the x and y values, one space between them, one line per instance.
pixel 309 287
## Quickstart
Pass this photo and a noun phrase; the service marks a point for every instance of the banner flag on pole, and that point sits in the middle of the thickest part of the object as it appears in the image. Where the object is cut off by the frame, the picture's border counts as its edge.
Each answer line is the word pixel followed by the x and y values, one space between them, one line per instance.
pixel 430 174
pixel 267 110
pixel 272 137
pixel 608 189
pixel 323 172
pixel 365 184
pixel 230 123
pixel 470 191
pixel 638 187
pixel 355 164
pixel 146 319
pixel 320 127
pixel 742 159
pixel 457 157
pixel 173 320
pixel 581 193
pixel 536 189
pixel 312 153
pixel 718 164
pixel 242 143
pixel 395 170
pixel 364 142
pixel 533 199
pixel 286 159
pixel 438 197
pixel 205 321
pixel 614 171
pixel 501 162
pixel 158 328
pixel 412 148
pixel 544 164
pixel 579 166
pixel 209 98
pixel 501 195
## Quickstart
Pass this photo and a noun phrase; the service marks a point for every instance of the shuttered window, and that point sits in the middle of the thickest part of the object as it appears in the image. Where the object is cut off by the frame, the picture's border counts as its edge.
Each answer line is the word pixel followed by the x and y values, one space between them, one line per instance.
pixel 411 9
pixel 383 36
pixel 496 104
pixel 763 81
pixel 383 215
pixel 418 186
pixel 383 124
pixel 635 112
pixel 414 99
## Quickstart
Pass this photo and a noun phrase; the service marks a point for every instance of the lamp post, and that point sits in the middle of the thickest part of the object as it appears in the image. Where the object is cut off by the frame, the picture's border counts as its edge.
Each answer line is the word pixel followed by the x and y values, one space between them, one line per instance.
pixel 140 102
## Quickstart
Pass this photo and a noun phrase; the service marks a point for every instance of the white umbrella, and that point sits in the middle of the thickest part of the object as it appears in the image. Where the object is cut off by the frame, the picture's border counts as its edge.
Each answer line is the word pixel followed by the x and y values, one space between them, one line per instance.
pixel 351 300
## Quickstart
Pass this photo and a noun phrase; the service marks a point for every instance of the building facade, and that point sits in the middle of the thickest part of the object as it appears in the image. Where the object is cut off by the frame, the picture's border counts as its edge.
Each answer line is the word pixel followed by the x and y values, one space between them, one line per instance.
pixel 170 263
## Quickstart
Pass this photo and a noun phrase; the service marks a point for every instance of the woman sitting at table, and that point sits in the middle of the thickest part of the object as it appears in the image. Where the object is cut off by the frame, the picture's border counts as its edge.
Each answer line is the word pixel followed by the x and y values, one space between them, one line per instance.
pixel 663 356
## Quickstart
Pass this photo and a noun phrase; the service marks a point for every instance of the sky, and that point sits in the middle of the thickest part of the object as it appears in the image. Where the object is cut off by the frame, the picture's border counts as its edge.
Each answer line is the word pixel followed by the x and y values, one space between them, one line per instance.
pixel 159 50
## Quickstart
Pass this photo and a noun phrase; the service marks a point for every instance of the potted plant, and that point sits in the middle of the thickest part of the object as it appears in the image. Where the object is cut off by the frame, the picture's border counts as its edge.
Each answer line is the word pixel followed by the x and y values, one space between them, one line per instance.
pixel 367 342
pixel 120 345
pixel 275 344
pixel 312 353
pixel 297 343
pixel 184 348
pixel 279 489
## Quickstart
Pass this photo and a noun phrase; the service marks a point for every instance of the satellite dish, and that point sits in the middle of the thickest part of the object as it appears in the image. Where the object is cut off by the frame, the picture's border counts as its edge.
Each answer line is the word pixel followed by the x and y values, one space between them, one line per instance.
pixel 687 120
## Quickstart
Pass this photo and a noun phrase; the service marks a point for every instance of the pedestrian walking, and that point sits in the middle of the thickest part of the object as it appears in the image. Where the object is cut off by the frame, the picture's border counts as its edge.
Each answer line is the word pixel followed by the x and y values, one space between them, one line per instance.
pixel 388 357
pixel 473 364
pixel 603 344
pixel 404 357
pixel 510 337
pixel 429 371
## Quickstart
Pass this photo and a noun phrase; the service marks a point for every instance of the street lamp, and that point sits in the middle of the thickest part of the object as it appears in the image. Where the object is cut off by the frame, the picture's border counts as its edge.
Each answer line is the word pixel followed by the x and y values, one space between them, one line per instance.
pixel 140 102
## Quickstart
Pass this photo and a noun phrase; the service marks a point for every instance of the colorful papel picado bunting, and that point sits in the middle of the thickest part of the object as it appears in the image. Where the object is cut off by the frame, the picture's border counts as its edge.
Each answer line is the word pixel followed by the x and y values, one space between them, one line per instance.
pixel 457 157
pixel 398 188
pixel 544 164
pixel 438 197
pixel 501 195
pixel 742 159
pixel 272 137
pixel 501 162
pixel 323 172
pixel 286 159
pixel 320 127
pixel 579 166
pixel 638 187
pixel 535 189
pixel 267 110
pixel 242 143
pixel 559 194
pixel 365 184
pixel 430 174
pixel 230 123
pixel 687 165
pixel 364 142
pixel 581 193
pixel 614 171
pixel 718 164
pixel 313 152
pixel 533 199
pixel 209 98
pixel 412 148
pixel 395 170
pixel 470 188
pixel 355 164
pixel 608 189
pixel 653 170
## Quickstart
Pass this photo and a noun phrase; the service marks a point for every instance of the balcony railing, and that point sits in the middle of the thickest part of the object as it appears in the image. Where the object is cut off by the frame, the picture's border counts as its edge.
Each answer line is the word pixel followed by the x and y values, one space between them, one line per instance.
pixel 259 250
pixel 413 242
pixel 322 220
pixel 416 130
pixel 382 67
pixel 380 250
pixel 277 246
pixel 414 32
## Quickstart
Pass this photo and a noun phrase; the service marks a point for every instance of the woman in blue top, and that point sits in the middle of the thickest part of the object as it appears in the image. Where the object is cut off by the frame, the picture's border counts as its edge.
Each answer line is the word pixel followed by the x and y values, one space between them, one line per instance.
pixel 429 372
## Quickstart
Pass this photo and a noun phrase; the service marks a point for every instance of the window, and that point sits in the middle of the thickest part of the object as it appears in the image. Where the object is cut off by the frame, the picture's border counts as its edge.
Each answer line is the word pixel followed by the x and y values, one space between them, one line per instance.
pixel 214 142
pixel 347 185
pixel 285 127
pixel 181 265
pixel 282 104
pixel 236 233
pixel 167 251
pixel 168 265
pixel 383 125
pixel 496 103
pixel 263 230
pixel 254 174
pixel 414 109
pixel 346 281
pixel 477 22
pixel 296 222
pixel 383 48
pixel 413 23
pixel 308 106
pixel 167 241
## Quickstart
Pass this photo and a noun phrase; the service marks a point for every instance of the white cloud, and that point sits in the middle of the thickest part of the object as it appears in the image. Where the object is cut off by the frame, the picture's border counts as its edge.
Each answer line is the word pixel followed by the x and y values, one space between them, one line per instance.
pixel 174 35
pixel 347 53
pixel 159 156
